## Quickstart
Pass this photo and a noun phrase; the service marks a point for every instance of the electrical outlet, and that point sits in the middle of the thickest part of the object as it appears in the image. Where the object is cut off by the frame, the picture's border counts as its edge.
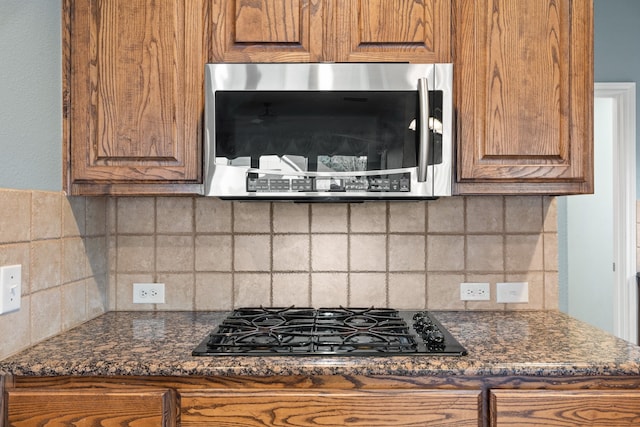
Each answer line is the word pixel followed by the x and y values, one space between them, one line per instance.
pixel 475 292
pixel 10 288
pixel 513 292
pixel 148 293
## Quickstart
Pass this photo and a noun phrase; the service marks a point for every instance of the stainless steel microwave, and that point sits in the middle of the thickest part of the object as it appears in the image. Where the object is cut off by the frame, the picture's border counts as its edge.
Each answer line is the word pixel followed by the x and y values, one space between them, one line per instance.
pixel 328 131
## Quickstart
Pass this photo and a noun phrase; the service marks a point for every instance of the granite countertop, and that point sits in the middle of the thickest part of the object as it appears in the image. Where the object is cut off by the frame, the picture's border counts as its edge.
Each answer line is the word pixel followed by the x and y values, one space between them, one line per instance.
pixel 534 343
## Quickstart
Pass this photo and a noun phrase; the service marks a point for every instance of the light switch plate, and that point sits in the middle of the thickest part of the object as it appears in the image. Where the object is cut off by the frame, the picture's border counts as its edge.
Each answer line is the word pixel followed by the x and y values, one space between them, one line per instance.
pixel 10 288
pixel 512 292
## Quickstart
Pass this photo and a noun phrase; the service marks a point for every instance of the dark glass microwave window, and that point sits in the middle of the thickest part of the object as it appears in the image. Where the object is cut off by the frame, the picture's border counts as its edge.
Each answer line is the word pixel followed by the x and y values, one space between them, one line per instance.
pixel 323 131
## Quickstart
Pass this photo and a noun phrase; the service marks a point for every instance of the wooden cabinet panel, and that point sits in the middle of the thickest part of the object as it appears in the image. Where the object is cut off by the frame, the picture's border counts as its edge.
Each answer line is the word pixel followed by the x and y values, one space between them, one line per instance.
pixel 575 408
pixel 265 21
pixel 330 30
pixel 373 408
pixel 134 78
pixel 91 407
pixel 391 31
pixel 265 31
pixel 524 95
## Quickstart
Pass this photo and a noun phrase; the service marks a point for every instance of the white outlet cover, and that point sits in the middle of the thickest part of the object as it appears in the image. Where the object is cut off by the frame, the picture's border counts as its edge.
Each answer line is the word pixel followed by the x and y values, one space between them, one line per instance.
pixel 148 293
pixel 475 291
pixel 10 288
pixel 512 292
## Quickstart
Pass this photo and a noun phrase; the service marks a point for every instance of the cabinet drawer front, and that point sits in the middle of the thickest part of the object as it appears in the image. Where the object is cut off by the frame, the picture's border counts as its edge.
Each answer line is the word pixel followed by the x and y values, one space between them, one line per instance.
pixel 575 408
pixel 372 408
pixel 87 408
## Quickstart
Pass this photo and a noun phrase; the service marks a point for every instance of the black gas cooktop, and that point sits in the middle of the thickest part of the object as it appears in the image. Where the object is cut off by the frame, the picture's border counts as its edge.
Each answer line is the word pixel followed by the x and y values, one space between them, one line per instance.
pixel 272 331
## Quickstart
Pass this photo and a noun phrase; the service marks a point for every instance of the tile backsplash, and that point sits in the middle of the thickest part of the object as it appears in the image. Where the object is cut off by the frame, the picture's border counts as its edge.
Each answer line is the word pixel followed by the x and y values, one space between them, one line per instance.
pixel 81 255
pixel 61 244
pixel 216 255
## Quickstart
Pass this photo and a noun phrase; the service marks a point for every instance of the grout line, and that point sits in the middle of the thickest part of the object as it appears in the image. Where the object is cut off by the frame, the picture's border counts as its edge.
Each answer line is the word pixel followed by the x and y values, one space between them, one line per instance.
pixel 115 256
pixel 504 245
pixel 310 234
pixel 194 229
pixel 155 247
pixel 426 255
pixel 349 235
pixel 387 249
pixel 271 232
pixel 465 244
pixel 233 256
pixel 544 241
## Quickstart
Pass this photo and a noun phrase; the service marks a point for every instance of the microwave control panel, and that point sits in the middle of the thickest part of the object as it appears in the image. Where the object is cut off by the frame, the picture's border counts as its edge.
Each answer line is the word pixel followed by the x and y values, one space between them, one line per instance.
pixel 400 183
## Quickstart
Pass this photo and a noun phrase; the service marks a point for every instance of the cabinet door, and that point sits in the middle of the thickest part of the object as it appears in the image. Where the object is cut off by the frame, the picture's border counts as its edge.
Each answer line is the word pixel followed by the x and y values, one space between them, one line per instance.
pixel 91 407
pixel 575 408
pixel 265 30
pixel 134 73
pixel 374 408
pixel 524 96
pixel 389 30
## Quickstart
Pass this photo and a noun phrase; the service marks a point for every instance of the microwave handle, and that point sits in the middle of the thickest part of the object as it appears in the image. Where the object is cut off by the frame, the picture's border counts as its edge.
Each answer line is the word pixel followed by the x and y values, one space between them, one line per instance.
pixel 424 146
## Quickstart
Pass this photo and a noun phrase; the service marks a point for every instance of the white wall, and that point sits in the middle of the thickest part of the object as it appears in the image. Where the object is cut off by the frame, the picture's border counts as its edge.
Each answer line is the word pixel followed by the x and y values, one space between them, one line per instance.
pixel 30 94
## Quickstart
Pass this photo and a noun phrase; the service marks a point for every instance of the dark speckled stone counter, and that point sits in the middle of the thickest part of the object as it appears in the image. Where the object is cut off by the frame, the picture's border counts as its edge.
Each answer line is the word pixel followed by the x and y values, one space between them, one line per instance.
pixel 531 343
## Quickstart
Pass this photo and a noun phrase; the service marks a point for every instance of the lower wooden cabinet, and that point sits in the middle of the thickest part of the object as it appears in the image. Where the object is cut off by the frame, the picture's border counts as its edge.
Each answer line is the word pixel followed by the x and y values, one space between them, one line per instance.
pixel 91 407
pixel 565 408
pixel 302 408
pixel 326 400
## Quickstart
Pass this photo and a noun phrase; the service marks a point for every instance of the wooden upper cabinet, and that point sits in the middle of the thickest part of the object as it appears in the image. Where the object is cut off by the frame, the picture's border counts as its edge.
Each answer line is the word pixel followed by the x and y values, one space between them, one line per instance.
pixel 133 83
pixel 265 30
pixel 524 96
pixel 391 31
pixel 330 30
